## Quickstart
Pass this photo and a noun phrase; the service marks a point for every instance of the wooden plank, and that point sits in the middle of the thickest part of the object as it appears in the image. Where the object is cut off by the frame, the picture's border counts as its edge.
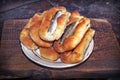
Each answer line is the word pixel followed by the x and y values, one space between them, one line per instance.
pixel 104 61
pixel 16 4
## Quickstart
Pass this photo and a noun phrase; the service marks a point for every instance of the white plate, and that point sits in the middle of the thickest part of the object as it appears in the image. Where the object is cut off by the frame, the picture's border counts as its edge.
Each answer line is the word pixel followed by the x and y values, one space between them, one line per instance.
pixel 53 64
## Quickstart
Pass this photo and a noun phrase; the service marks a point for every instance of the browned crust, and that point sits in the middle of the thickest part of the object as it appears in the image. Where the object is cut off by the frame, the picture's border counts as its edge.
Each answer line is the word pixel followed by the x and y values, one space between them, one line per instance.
pixel 73 40
pixel 75 16
pixel 72 48
pixel 24 35
pixel 49 53
pixel 33 20
pixel 46 22
pixel 77 54
pixel 35 37
pixel 61 25
pixel 33 31
pixel 26 40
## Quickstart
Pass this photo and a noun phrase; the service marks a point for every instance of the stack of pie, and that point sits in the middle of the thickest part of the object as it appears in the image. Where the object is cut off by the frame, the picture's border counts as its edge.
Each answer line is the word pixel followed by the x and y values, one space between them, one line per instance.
pixel 58 33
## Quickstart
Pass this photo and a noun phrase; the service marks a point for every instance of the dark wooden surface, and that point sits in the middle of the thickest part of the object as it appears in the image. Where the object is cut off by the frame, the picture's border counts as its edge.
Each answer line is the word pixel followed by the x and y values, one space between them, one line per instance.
pixel 22 9
pixel 104 61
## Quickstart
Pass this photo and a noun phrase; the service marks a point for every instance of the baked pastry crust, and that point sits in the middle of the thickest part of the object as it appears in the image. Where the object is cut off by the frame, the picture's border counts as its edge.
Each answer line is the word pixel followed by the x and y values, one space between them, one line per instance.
pixel 49 53
pixel 77 54
pixel 58 33
pixel 34 32
pixel 73 40
pixel 58 24
pixel 26 40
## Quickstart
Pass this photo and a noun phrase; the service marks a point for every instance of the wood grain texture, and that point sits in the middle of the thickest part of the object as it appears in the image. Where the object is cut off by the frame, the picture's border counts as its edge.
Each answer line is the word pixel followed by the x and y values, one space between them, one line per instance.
pixel 104 61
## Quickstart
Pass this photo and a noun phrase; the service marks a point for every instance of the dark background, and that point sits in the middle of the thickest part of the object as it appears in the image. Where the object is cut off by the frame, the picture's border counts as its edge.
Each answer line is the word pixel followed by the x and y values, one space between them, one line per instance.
pixel 24 9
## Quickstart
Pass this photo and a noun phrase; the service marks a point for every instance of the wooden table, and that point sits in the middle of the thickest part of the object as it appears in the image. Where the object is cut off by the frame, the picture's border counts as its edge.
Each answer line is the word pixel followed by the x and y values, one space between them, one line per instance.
pixel 104 61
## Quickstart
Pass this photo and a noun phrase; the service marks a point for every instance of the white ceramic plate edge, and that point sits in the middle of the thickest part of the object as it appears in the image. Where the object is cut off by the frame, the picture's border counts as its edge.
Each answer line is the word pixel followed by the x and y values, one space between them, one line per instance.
pixel 55 64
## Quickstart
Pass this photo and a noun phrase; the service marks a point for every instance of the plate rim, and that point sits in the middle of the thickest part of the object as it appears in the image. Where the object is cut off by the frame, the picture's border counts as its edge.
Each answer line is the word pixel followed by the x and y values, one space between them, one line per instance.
pixel 63 65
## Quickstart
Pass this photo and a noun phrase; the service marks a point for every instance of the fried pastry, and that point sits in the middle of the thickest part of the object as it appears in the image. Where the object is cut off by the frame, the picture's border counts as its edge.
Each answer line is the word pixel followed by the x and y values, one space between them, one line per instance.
pixel 54 23
pixel 34 32
pixel 26 40
pixel 49 53
pixel 77 54
pixel 72 35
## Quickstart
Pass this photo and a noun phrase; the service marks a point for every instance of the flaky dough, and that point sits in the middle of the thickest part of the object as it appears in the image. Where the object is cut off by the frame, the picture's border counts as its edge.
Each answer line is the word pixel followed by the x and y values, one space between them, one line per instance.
pixel 72 41
pixel 77 54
